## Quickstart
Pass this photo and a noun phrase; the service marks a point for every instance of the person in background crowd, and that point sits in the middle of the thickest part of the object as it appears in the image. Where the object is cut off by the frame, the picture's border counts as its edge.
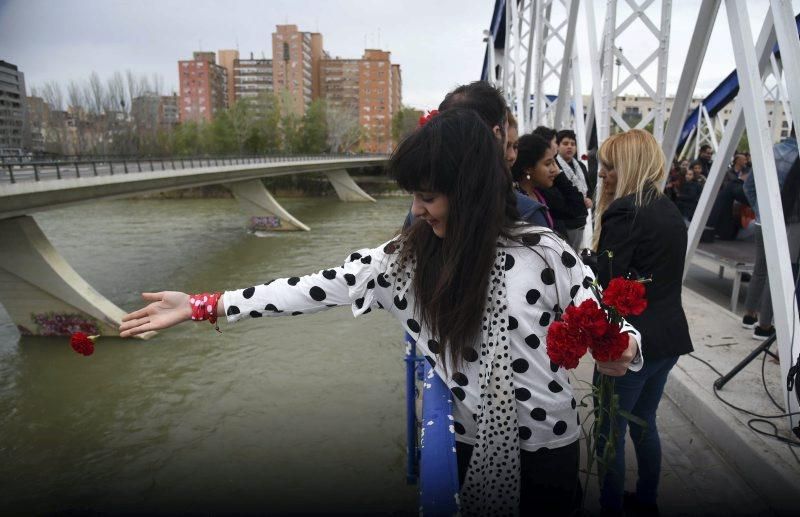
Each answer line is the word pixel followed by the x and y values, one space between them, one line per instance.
pixel 639 232
pixel 705 158
pixel 725 217
pixel 674 181
pixel 535 169
pixel 576 173
pixel 688 193
pixel 758 304
pixel 487 101
pixel 564 200
pixel 512 137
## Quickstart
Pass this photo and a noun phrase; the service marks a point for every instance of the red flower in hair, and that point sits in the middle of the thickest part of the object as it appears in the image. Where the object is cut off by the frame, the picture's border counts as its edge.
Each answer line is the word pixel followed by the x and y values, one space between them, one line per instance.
pixel 82 343
pixel 625 296
pixel 424 119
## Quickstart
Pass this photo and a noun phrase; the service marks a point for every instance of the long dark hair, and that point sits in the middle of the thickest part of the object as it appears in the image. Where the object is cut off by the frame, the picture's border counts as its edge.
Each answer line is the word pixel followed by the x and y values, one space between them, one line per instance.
pixel 456 155
pixel 530 149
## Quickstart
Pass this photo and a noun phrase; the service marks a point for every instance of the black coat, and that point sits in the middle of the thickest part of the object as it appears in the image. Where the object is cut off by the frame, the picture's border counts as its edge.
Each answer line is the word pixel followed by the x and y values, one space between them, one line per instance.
pixel 650 242
pixel 566 205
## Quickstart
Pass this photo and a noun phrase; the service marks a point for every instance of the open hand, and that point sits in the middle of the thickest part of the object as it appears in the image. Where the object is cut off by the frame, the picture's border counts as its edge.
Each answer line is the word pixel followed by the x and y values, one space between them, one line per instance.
pixel 168 308
pixel 620 366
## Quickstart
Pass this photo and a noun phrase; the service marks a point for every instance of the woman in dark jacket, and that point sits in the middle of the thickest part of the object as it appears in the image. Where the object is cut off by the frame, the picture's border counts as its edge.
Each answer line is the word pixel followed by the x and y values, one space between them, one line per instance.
pixel 639 232
pixel 688 194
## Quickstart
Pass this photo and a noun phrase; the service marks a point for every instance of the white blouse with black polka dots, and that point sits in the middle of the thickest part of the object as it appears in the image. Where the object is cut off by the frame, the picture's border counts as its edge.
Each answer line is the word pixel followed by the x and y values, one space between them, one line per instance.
pixel 541 280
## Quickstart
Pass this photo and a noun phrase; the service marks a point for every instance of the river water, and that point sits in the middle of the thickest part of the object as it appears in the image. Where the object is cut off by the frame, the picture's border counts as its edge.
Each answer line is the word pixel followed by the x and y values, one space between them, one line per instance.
pixel 277 415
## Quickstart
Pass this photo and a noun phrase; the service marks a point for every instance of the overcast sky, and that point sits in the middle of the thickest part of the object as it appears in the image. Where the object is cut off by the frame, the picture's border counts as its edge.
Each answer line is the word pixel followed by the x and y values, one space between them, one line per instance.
pixel 438 44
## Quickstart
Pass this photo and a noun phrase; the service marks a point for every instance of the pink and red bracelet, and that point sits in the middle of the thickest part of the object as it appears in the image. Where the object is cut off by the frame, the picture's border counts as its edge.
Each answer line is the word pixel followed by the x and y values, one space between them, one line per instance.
pixel 204 307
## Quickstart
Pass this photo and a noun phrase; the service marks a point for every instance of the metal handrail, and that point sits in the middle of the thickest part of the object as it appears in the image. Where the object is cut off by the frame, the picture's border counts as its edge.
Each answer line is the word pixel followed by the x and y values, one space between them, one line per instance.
pixel 153 164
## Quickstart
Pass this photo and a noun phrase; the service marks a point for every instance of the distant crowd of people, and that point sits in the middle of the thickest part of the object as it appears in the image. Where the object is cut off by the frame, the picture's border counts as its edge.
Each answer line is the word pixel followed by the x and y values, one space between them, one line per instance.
pixel 735 207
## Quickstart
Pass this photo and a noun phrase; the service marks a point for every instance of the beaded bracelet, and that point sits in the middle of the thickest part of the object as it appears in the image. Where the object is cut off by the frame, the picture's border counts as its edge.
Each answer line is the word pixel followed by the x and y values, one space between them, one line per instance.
pixel 204 307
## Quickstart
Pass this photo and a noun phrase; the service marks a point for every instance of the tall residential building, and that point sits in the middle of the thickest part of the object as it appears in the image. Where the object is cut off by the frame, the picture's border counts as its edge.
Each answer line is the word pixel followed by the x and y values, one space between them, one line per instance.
pixel 151 112
pixel 14 124
pixel 226 61
pixel 251 77
pixel 339 84
pixel 370 89
pixel 376 98
pixel 203 90
pixel 295 66
pixel 169 111
pixel 39 117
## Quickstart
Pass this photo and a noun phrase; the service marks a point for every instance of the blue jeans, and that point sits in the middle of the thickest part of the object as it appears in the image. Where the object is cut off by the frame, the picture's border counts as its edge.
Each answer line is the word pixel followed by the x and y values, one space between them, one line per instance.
pixel 639 393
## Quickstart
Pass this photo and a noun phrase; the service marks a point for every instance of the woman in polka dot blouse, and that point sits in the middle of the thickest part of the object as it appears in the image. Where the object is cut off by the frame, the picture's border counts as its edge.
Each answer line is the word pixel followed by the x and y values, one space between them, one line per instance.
pixel 477 289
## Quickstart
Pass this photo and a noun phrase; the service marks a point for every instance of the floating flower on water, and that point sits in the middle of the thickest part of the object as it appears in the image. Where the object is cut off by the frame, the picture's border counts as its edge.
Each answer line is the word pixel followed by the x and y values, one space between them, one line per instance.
pixel 82 343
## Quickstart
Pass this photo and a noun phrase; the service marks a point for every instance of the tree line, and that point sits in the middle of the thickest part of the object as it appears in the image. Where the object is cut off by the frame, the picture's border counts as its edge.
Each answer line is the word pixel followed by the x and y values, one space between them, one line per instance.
pixel 101 118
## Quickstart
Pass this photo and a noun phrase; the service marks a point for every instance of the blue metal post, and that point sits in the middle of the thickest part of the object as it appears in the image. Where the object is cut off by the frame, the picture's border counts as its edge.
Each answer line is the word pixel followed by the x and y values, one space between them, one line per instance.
pixel 411 412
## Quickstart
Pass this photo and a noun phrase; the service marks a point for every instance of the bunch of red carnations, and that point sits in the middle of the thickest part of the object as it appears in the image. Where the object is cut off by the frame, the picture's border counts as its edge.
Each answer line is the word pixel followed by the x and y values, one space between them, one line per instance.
pixel 594 327
pixel 597 328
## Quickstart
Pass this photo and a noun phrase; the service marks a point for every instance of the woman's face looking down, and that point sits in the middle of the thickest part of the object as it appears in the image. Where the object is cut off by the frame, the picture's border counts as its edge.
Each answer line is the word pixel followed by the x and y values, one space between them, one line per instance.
pixel 433 208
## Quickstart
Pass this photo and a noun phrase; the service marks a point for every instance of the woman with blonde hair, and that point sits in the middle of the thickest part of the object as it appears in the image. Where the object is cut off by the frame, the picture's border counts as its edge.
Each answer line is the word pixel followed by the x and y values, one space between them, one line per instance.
pixel 640 233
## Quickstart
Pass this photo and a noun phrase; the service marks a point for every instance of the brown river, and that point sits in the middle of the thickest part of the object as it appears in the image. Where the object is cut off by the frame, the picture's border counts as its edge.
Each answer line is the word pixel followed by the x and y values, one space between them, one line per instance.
pixel 277 415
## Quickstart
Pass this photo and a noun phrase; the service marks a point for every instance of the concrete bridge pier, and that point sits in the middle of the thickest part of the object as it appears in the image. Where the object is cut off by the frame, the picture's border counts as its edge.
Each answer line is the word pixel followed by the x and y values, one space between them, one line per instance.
pixel 264 211
pixel 42 293
pixel 266 214
pixel 346 188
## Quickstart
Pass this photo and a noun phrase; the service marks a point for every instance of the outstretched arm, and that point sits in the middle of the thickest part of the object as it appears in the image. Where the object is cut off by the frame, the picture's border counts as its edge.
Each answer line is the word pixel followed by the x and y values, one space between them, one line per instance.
pixel 167 309
pixel 352 283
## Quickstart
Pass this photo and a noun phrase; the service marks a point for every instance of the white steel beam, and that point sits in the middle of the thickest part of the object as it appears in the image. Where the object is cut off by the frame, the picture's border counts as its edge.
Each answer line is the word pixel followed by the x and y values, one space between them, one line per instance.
pixel 567 63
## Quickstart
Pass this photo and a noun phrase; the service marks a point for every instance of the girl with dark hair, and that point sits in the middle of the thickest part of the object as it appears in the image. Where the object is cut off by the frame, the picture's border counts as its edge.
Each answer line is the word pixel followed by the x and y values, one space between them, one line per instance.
pixel 534 169
pixel 564 200
pixel 477 290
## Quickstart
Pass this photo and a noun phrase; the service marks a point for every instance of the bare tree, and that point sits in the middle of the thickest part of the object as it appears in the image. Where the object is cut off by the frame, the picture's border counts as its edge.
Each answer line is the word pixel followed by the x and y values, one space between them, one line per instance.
pixel 76 106
pixel 96 95
pixel 344 130
pixel 52 95
pixel 116 92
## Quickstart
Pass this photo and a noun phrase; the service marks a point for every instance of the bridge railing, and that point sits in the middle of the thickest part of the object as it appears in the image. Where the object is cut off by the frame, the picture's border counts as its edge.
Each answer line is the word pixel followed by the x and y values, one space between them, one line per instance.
pixel 37 170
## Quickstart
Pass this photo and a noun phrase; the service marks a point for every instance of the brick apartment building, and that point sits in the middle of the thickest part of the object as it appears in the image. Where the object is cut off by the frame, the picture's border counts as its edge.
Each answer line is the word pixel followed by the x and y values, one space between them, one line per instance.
pixel 369 88
pixel 203 87
pixel 251 77
pixel 295 66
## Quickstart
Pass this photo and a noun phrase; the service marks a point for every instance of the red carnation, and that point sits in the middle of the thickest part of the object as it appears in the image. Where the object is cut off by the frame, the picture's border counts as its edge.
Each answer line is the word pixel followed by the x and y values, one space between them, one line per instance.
pixel 588 317
pixel 625 296
pixel 564 345
pixel 82 343
pixel 611 345
pixel 584 157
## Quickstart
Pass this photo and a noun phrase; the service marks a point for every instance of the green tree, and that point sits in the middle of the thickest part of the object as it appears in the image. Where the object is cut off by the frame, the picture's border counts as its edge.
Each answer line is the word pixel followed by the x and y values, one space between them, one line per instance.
pixel 404 122
pixel 186 138
pixel 313 138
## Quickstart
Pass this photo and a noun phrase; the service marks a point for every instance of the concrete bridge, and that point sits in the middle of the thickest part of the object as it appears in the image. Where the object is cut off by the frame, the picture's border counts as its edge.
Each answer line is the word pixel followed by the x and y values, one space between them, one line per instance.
pixel 44 295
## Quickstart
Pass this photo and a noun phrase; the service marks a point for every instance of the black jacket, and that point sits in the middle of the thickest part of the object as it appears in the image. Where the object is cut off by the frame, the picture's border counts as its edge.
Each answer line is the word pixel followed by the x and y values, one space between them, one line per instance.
pixel 566 205
pixel 650 242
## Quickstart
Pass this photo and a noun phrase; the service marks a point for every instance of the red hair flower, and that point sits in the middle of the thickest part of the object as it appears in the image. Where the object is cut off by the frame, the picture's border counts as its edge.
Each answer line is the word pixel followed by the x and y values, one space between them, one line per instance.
pixel 424 119
pixel 82 343
pixel 625 296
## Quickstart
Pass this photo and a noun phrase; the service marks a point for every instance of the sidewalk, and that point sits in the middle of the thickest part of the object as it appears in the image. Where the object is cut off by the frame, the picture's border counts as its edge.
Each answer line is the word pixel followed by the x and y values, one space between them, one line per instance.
pixel 712 462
